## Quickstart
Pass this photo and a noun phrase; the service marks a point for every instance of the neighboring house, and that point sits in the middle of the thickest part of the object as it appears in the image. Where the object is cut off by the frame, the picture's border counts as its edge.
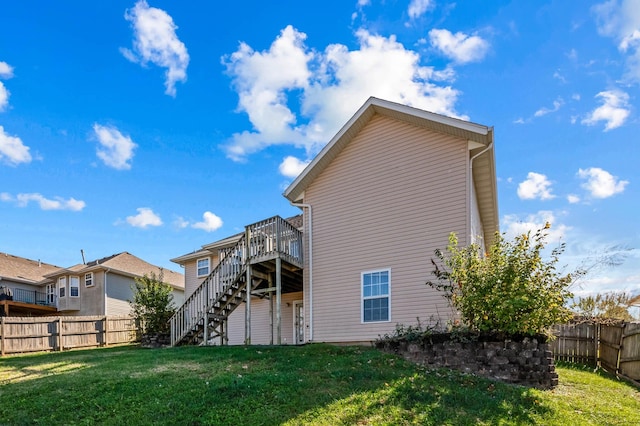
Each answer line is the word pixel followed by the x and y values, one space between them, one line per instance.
pixel 20 293
pixel 377 201
pixel 100 287
pixel 104 286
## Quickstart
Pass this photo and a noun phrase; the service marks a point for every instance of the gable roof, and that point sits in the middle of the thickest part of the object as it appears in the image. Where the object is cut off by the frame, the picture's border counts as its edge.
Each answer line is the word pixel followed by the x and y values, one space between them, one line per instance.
pixel 125 264
pixel 479 138
pixel 23 270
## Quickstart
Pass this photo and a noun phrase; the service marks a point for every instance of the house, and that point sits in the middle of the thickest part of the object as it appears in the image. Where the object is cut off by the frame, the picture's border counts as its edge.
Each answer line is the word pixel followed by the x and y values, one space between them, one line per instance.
pixel 104 286
pixel 99 287
pixel 376 202
pixel 20 293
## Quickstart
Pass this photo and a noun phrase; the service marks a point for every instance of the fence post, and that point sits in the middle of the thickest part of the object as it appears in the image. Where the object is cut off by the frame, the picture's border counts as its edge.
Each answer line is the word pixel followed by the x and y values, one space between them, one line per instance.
pixel 105 330
pixel 60 338
pixel 2 331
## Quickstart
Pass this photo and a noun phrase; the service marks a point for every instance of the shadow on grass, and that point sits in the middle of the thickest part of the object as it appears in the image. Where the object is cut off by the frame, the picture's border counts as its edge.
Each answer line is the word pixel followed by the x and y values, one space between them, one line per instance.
pixel 314 384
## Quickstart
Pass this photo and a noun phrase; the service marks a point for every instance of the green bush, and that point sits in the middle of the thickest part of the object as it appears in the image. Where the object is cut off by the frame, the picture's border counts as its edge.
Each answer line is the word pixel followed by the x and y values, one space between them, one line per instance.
pixel 152 304
pixel 510 289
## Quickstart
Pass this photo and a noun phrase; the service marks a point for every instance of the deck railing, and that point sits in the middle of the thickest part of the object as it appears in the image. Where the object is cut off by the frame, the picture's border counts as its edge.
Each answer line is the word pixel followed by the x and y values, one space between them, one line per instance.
pixel 261 241
pixel 194 309
pixel 33 297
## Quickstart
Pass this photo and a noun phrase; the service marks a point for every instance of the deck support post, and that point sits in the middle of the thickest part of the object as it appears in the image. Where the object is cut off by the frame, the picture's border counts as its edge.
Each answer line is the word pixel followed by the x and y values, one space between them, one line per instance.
pixel 247 311
pixel 270 283
pixel 278 300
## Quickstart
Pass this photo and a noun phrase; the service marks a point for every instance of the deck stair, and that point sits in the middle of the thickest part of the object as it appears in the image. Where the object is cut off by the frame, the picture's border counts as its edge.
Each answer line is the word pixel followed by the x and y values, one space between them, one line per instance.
pixel 205 313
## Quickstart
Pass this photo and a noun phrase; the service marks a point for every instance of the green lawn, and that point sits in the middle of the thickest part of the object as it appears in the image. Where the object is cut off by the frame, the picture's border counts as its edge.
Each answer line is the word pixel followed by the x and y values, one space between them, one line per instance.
pixel 313 384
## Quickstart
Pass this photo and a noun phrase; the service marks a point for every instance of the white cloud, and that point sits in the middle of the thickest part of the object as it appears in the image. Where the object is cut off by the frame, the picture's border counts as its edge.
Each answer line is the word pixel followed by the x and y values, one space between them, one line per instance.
pixel 12 150
pixel 614 110
pixel 292 167
pixel 145 218
pixel 57 203
pixel 620 20
pixel 544 111
pixel 331 85
pixel 180 223
pixel 573 198
pixel 535 186
pixel 417 8
pixel 117 149
pixel 4 97
pixel 600 183
pixel 461 48
pixel 513 225
pixel 6 70
pixel 210 222
pixel 155 41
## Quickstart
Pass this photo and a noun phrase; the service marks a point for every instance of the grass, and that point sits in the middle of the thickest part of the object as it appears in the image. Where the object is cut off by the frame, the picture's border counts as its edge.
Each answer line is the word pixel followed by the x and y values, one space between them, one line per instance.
pixel 313 384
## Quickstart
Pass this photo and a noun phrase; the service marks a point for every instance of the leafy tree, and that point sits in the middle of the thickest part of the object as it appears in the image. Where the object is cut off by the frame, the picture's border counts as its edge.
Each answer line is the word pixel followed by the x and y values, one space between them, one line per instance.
pixel 510 289
pixel 152 304
pixel 613 305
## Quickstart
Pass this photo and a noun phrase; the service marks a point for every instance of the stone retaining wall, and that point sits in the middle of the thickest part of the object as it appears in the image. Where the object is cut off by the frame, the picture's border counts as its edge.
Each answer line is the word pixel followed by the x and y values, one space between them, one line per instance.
pixel 528 362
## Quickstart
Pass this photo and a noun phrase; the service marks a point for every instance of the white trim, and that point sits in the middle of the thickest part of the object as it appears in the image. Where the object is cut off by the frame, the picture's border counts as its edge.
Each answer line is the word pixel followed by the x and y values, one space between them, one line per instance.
pixel 60 286
pixel 90 279
pixel 198 274
pixel 77 286
pixel 373 271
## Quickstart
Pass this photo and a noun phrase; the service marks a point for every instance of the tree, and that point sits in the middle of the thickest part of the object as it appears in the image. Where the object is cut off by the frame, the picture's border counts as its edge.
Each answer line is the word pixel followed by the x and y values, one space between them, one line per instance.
pixel 152 304
pixel 510 289
pixel 613 305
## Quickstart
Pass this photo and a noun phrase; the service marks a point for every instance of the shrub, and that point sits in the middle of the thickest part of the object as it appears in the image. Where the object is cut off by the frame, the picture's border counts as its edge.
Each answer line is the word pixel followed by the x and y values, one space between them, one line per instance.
pixel 509 290
pixel 152 304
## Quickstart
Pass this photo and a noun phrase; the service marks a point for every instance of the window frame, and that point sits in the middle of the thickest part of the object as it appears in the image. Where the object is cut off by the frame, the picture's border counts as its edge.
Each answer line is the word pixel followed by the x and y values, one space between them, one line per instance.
pixel 198 267
pixel 62 287
pixel 378 296
pixel 73 278
pixel 50 291
pixel 88 282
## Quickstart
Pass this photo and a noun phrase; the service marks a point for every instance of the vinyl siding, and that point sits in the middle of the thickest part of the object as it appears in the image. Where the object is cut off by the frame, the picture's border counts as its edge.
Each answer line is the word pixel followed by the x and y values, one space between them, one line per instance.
pixel 191 279
pixel 388 200
pixel 260 323
pixel 118 293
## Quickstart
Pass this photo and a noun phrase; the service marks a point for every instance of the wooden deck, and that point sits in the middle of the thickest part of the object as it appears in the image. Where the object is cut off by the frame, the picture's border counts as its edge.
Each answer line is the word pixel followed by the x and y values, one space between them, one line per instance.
pixel 16 308
pixel 268 256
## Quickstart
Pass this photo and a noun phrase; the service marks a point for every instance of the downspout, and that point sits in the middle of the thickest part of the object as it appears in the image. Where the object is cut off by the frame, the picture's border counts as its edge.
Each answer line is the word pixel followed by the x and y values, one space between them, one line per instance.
pixel 310 266
pixel 471 183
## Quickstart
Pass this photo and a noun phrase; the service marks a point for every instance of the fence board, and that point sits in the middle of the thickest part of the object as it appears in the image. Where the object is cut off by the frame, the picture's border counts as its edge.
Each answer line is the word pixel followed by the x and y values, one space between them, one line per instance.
pixel 575 343
pixel 610 339
pixel 630 352
pixel 615 347
pixel 35 334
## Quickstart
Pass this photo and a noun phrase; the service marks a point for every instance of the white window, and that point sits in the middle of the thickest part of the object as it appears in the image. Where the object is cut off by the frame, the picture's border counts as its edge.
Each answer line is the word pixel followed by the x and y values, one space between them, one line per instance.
pixel 51 294
pixel 203 267
pixel 74 286
pixel 62 286
pixel 88 279
pixel 376 296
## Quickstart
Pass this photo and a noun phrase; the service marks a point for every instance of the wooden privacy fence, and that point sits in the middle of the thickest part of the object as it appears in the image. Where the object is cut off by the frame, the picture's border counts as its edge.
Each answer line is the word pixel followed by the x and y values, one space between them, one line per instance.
pixel 35 334
pixel 615 347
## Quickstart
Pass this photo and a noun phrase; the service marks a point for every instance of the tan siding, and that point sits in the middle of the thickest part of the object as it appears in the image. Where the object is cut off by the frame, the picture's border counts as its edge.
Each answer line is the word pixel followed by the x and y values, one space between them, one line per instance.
pixel 388 200
pixel 260 328
pixel 92 298
pixel 191 279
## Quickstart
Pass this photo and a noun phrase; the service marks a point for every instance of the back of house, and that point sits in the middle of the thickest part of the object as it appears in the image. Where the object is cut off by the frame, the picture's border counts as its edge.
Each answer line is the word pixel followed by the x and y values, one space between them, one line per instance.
pixel 376 202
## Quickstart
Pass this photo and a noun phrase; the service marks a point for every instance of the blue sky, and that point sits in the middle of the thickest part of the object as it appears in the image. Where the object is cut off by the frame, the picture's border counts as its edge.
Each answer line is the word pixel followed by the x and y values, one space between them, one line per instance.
pixel 156 127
